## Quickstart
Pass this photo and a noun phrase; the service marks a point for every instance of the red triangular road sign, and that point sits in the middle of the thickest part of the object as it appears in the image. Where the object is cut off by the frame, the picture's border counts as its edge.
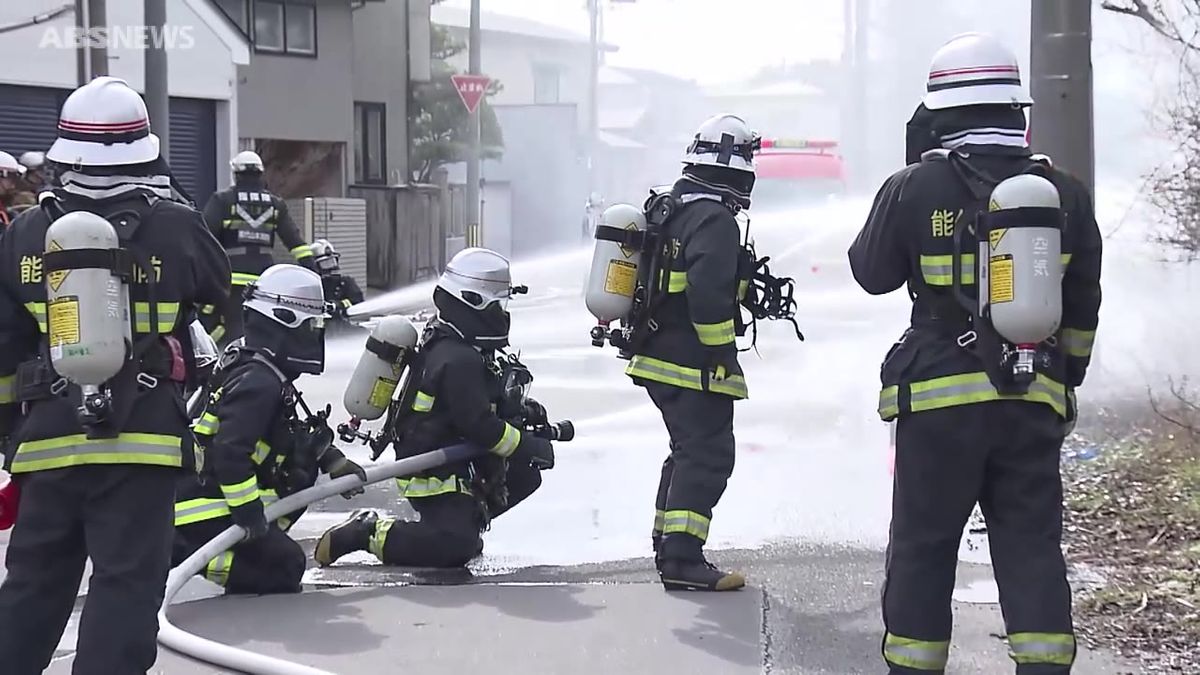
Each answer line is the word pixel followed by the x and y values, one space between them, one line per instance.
pixel 471 89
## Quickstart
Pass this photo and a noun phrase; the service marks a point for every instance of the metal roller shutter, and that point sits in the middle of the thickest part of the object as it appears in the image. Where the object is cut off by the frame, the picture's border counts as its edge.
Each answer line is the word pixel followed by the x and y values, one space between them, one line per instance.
pixel 29 121
pixel 344 223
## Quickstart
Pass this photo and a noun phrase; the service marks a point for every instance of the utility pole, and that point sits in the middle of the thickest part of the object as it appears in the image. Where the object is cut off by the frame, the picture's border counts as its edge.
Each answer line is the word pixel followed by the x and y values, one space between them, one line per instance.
pixel 475 58
pixel 1060 58
pixel 92 58
pixel 157 87
pixel 593 105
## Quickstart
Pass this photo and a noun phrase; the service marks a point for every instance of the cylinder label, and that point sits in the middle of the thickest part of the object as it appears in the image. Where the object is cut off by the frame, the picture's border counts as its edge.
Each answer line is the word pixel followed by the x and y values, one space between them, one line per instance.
pixel 63 321
pixel 381 393
pixel 620 278
pixel 1000 278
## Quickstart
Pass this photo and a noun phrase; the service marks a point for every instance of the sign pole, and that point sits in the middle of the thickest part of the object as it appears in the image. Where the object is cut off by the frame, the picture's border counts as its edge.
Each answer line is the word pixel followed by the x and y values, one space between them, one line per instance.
pixel 473 158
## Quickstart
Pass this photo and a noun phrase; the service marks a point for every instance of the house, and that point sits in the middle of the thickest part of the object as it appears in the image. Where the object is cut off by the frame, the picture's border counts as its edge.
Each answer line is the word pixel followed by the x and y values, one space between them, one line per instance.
pixel 324 96
pixel 204 52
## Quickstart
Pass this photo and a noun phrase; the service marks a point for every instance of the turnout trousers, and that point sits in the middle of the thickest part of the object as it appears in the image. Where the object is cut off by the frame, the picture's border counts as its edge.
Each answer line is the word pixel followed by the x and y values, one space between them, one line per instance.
pixel 448 533
pixel 120 516
pixel 698 467
pixel 1003 455
pixel 273 563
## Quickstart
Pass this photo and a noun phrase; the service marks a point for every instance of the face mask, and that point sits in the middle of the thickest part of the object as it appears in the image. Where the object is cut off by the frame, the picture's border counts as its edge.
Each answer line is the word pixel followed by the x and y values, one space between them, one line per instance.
pixel 919 135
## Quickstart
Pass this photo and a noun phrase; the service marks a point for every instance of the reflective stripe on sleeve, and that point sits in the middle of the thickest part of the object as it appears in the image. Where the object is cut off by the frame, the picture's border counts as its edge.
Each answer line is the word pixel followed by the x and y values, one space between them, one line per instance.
pixel 242 493
pixel 715 334
pixel 677 282
pixel 217 569
pixel 8 389
pixel 889 403
pixel 916 654
pixel 508 442
pixel 301 252
pixel 1078 343
pixel 168 312
pixel 243 279
pixel 423 402
pixel 199 510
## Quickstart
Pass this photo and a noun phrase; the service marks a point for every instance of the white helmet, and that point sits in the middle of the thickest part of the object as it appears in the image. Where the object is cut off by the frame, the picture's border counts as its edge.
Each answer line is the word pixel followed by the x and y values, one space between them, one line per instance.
pixel 478 277
pixel 246 160
pixel 974 69
pixel 9 165
pixel 104 123
pixel 724 140
pixel 33 159
pixel 325 256
pixel 289 295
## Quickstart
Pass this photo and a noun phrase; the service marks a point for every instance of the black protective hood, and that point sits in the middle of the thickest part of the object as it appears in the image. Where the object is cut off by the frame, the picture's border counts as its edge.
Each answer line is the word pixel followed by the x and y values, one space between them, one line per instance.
pixel 730 185
pixel 252 180
pixel 295 351
pixel 486 329
pixel 956 127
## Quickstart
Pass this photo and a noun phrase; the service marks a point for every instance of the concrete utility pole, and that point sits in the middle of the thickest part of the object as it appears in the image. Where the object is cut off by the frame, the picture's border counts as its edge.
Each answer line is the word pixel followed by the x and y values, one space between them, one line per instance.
pixel 855 62
pixel 91 59
pixel 593 105
pixel 1060 58
pixel 157 87
pixel 475 58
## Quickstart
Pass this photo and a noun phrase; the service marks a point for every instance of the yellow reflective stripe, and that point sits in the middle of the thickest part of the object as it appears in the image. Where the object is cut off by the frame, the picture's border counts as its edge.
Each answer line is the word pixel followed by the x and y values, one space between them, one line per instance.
pixel 743 286
pixel 1053 648
pixel 379 536
pixel 243 279
pixel 261 450
pixel 241 493
pixel 1066 259
pixel 78 449
pixel 217 569
pixel 943 392
pixel 423 402
pixel 660 518
pixel 508 442
pixel 1078 342
pixel 217 333
pixel 207 309
pixel 889 403
pixel 8 389
pixel 38 310
pixel 657 370
pixel 208 425
pixel 686 522
pixel 168 312
pixel 346 303
pixel 715 334
pixel 198 510
pixel 916 654
pixel 430 487
pixel 300 252
pixel 938 270
pixel 676 281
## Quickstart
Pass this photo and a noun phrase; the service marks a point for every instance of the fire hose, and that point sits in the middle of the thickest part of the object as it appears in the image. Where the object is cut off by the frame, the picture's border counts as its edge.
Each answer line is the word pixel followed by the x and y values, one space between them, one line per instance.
pixel 245 661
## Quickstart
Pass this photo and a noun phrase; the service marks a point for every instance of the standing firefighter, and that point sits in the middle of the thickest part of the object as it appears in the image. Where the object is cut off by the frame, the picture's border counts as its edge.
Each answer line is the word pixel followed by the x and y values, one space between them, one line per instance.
pixel 246 218
pixel 97 288
pixel 1001 255
pixel 258 447
pixel 457 392
pixel 688 363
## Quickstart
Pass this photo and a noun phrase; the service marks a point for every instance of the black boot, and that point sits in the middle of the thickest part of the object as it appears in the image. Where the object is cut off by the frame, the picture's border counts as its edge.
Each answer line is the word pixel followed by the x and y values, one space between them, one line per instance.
pixel 682 567
pixel 352 535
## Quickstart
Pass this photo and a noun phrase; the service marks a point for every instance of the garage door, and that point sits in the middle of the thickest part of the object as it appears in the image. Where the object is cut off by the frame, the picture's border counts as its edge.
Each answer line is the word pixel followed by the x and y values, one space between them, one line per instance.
pixel 29 117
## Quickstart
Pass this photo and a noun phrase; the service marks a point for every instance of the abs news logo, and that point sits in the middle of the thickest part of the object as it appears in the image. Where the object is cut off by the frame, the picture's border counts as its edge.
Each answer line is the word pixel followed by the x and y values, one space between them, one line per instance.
pixel 119 37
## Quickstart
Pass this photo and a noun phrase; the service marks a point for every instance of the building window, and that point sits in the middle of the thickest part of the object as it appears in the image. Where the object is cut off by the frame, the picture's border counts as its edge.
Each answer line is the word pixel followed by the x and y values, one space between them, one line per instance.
pixel 285 27
pixel 545 83
pixel 238 12
pixel 370 141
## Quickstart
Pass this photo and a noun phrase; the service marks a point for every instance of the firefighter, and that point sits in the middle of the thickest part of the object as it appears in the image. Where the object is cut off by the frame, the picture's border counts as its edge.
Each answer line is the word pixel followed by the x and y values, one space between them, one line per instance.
pixel 98 488
pixel 689 365
pixel 342 290
pixel 459 399
pixel 258 447
pixel 246 218
pixel 960 441
pixel 13 199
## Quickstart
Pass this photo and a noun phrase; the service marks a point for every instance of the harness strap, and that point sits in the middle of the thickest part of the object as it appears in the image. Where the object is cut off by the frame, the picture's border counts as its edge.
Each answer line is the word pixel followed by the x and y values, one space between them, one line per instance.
pixel 629 238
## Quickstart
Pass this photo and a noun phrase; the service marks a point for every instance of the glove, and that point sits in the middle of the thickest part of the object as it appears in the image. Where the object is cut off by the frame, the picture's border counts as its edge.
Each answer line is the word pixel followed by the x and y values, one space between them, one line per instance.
pixel 537 451
pixel 250 517
pixel 337 465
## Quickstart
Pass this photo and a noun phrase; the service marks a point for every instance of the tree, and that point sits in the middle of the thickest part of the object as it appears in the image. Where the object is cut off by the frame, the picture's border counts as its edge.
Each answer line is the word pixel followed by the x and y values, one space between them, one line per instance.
pixel 438 120
pixel 1175 189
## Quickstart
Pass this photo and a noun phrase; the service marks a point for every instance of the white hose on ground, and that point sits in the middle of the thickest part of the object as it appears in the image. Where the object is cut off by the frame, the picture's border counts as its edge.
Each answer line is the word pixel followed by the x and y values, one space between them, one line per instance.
pixel 244 661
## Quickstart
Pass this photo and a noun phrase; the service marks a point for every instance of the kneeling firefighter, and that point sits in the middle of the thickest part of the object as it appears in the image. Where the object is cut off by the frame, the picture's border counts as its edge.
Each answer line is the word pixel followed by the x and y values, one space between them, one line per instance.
pixel 458 390
pixel 341 290
pixel 97 286
pixel 1000 253
pixel 258 447
pixel 679 304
